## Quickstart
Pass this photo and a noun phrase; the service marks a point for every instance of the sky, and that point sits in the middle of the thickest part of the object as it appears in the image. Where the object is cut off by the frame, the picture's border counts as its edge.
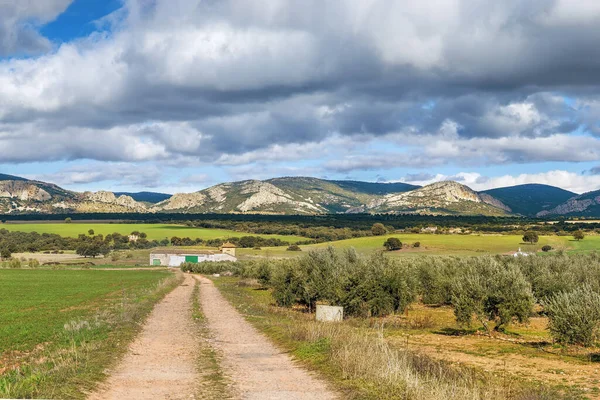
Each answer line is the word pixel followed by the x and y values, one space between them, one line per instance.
pixel 179 95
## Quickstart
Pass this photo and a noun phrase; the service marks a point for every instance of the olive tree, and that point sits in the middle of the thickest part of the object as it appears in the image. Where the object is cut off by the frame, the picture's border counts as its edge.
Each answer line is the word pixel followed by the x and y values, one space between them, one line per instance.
pixel 574 316
pixel 492 292
pixel 578 235
pixel 392 244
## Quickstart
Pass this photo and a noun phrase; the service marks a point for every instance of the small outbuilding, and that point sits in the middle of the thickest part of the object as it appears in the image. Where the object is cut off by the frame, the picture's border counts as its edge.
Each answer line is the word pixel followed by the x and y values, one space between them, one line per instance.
pixel 174 258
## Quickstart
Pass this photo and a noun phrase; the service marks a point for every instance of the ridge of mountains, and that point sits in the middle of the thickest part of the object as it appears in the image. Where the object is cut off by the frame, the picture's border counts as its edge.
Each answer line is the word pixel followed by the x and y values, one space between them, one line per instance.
pixel 304 196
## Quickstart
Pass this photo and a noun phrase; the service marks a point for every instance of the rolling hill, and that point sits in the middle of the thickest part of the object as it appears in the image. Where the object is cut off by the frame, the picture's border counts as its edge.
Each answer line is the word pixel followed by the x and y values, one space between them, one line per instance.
pixel 303 196
pixel 530 199
pixel 587 204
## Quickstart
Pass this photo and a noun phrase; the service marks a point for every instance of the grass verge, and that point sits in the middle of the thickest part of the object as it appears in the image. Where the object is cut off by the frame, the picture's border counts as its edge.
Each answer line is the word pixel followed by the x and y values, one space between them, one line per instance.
pixel 362 364
pixel 214 384
pixel 61 330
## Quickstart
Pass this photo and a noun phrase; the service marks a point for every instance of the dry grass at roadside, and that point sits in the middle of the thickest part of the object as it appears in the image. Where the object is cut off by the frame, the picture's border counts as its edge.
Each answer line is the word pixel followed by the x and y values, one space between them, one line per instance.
pixel 362 363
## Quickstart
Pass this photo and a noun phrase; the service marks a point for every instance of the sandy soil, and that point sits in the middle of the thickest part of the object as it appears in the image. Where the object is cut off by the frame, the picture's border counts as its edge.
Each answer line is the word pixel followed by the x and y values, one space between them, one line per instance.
pixel 161 363
pixel 257 369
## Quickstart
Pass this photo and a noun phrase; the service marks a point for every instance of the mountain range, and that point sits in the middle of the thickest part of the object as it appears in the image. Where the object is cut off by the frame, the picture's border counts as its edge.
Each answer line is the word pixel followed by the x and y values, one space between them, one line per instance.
pixel 303 195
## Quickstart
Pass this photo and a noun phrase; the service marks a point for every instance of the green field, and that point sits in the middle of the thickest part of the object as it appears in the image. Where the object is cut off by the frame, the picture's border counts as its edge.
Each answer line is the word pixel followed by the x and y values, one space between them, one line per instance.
pixel 154 231
pixel 60 329
pixel 443 244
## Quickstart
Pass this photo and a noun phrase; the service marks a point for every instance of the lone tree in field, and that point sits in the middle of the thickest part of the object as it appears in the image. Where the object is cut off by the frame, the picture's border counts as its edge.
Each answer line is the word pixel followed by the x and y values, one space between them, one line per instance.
pixel 68 220
pixel 392 244
pixel 578 235
pixel 378 229
pixel 531 237
pixel 91 232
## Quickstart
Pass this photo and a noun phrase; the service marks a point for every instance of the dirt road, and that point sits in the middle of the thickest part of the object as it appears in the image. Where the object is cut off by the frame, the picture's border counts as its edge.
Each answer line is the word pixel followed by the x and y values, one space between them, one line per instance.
pixel 161 363
pixel 257 369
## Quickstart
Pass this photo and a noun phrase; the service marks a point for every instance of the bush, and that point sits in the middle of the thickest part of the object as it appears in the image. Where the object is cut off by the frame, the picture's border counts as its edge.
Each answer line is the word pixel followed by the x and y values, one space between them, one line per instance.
pixel 5 253
pixel 15 263
pixel 294 247
pixel 417 244
pixel 493 292
pixel 546 248
pixel 34 263
pixel 373 286
pixel 392 244
pixel 574 317
pixel 378 229
pixel 531 237
pixel 578 235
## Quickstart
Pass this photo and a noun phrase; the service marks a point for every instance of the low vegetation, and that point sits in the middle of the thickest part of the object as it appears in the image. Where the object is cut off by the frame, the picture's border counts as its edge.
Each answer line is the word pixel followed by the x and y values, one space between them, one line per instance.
pixel 493 290
pixel 363 363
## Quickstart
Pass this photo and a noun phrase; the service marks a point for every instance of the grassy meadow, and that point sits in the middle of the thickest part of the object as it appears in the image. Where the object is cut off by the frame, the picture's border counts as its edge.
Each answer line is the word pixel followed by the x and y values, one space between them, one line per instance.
pixel 60 329
pixel 154 231
pixel 459 245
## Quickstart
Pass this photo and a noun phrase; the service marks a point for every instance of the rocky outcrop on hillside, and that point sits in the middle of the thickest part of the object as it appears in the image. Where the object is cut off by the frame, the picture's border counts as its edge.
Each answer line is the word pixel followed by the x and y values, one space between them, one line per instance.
pixel 23 190
pixel 181 201
pixel 441 197
pixel 486 198
pixel 264 195
pixel 577 205
pixel 102 200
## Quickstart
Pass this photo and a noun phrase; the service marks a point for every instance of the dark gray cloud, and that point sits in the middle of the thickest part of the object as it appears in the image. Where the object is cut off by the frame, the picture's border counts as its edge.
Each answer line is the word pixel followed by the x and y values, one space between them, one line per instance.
pixel 19 21
pixel 230 82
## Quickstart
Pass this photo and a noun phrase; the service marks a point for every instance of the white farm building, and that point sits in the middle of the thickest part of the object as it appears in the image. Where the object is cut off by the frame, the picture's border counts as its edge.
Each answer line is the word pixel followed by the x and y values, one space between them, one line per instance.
pixel 176 257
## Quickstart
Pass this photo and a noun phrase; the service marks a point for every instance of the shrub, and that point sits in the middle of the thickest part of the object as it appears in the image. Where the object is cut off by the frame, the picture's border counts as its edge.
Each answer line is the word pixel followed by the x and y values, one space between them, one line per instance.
pixel 34 263
pixel 294 247
pixel 392 244
pixel 574 317
pixel 416 244
pixel 263 273
pixel 15 263
pixel 531 237
pixel 68 220
pixel 546 248
pixel 378 229
pixel 493 292
pixel 5 253
pixel 578 235
pixel 373 286
pixel 129 255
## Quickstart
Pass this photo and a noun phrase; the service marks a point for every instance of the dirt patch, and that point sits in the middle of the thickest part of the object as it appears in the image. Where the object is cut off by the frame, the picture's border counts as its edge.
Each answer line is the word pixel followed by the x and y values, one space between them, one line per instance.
pixel 256 367
pixel 519 360
pixel 161 363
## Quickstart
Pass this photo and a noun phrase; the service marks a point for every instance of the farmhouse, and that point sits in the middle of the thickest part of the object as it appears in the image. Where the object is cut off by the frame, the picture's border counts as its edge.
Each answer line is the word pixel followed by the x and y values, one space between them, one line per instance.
pixel 176 257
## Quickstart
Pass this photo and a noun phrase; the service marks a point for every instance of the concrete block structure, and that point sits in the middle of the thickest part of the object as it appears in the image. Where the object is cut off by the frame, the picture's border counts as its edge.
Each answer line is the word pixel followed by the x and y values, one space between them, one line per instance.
pixel 329 313
pixel 175 257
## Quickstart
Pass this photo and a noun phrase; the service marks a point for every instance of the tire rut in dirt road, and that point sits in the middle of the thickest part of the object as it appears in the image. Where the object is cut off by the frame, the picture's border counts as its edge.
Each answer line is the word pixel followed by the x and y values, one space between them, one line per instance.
pixel 258 369
pixel 161 363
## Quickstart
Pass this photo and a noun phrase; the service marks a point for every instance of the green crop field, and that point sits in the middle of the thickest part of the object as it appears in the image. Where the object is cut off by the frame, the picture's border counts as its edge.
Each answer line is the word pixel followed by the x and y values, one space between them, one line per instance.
pixel 443 244
pixel 154 231
pixel 60 329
